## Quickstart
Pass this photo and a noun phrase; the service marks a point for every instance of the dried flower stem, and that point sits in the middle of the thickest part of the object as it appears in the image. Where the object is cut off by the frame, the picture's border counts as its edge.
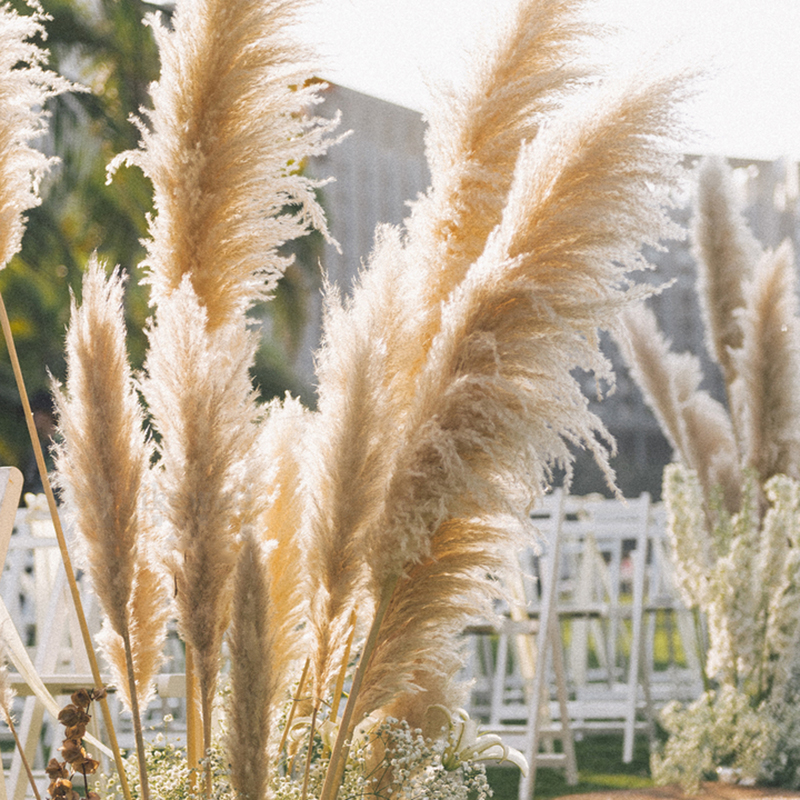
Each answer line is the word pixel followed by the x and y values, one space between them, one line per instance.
pixel 337 694
pixel 62 546
pixel 194 728
pixel 137 720
pixel 295 700
pixel 307 771
pixel 333 778
pixel 21 751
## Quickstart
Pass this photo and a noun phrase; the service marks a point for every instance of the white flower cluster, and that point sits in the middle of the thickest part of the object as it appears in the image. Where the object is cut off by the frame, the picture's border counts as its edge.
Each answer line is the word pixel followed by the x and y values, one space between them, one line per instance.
pixel 389 760
pixel 719 730
pixel 744 575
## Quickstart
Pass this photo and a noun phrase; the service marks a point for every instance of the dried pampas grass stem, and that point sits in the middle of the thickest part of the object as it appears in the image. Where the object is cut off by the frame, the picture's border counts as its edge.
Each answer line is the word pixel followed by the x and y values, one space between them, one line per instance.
pixel 62 546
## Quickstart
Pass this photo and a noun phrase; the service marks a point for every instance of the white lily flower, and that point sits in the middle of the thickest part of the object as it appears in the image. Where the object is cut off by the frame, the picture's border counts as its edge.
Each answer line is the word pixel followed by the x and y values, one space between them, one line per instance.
pixel 465 742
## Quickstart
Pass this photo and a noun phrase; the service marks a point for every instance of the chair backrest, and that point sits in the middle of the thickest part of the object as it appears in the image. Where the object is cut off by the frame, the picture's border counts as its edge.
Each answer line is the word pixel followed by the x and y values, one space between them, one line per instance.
pixel 603 540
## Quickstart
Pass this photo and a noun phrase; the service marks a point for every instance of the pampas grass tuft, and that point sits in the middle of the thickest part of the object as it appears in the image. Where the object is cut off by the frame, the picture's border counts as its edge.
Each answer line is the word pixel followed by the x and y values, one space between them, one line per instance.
pixel 446 387
pixel 103 427
pixel 203 405
pixel 750 311
pixel 727 252
pixel 229 131
pixel 491 406
pixel 253 640
pixel 768 368
pixel 24 87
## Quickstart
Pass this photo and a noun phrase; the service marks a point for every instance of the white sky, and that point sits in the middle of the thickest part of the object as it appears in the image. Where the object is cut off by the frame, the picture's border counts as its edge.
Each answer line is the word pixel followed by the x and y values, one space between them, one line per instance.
pixel 749 104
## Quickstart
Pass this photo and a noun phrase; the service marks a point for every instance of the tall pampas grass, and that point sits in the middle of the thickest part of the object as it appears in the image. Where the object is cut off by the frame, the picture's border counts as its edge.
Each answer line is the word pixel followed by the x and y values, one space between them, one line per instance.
pixel 253 640
pixel 696 425
pixel 103 463
pixel 203 405
pixel 446 389
pixel 767 367
pixel 749 304
pixel 731 500
pixel 280 524
pixel 226 139
pixel 728 251
pixel 25 85
pixel 481 431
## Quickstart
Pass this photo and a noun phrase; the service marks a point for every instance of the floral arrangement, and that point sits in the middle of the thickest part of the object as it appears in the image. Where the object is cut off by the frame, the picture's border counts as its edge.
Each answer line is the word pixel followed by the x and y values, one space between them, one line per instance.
pixel 341 551
pixel 733 499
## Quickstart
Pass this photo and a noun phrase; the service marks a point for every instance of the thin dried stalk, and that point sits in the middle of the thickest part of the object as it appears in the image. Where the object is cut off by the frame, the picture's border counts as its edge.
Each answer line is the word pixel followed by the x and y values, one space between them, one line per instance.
pixel 6 698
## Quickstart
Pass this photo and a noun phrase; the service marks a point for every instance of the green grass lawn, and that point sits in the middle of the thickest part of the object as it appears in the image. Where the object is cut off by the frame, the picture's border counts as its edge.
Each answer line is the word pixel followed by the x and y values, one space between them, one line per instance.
pixel 600 768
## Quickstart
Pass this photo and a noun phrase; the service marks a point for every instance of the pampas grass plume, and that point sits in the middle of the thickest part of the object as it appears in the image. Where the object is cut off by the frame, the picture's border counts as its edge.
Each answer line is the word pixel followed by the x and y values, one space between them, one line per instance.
pixel 104 459
pixel 252 642
pixel 768 368
pixel 203 405
pixel 226 139
pixel 24 87
pixel 726 253
pixel 494 406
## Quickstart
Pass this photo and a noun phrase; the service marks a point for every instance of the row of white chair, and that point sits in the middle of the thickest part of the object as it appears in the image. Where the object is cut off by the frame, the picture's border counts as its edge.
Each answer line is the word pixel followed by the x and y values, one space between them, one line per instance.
pixel 594 595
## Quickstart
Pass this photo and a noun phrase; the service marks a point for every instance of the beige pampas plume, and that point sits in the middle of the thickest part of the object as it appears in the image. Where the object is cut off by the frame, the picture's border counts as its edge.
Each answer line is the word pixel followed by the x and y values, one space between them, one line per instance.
pixel 203 406
pixel 666 379
pixel 494 405
pixel 420 653
pixel 726 253
pixel 750 313
pixel 253 640
pixel 476 133
pixel 103 464
pixel 24 87
pixel 697 426
pixel 473 141
pixel 496 402
pixel 280 526
pixel 105 456
pixel 349 446
pixel 228 134
pixel 151 610
pixel 768 367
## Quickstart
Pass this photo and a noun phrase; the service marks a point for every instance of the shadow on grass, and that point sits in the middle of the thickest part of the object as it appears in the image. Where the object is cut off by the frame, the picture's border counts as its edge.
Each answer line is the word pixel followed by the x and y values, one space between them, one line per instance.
pixel 600 768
